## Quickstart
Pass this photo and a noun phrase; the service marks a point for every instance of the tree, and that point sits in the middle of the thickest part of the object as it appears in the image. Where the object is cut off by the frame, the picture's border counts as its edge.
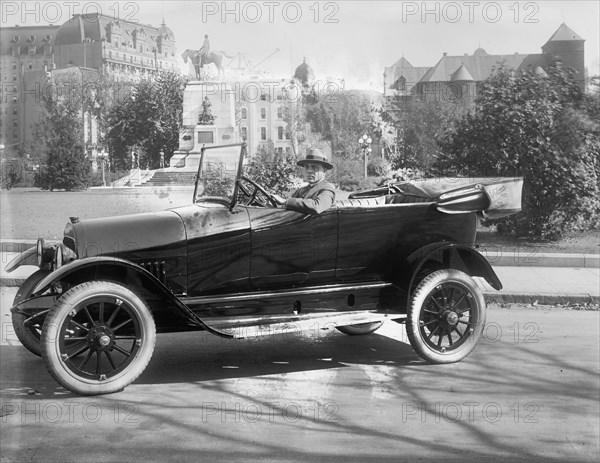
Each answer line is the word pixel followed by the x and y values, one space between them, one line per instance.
pixel 58 137
pixel 419 126
pixel 341 118
pixel 12 172
pixel 148 119
pixel 538 126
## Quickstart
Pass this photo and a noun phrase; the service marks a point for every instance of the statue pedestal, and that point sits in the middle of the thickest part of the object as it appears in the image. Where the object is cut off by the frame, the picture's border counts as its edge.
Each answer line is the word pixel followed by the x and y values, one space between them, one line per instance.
pixel 199 98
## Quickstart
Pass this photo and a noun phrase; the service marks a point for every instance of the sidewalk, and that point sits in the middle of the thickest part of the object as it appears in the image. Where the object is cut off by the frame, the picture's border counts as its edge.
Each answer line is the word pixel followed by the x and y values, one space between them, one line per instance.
pixel 521 284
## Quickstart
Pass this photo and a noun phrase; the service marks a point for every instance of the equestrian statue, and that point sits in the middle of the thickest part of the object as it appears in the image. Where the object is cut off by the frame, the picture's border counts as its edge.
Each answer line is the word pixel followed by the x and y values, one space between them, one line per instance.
pixel 200 59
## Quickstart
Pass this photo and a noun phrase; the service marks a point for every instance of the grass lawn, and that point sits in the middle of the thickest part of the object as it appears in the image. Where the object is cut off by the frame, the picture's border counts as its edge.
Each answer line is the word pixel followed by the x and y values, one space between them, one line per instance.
pixel 28 213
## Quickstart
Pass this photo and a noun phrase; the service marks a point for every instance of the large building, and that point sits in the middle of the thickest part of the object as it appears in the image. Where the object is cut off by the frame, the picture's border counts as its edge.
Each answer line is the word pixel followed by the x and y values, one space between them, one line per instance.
pixel 26 55
pixel 34 59
pixel 461 76
pixel 123 49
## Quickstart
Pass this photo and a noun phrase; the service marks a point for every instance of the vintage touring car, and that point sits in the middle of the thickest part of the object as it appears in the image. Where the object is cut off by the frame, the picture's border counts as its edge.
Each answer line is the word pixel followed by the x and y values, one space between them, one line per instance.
pixel 240 267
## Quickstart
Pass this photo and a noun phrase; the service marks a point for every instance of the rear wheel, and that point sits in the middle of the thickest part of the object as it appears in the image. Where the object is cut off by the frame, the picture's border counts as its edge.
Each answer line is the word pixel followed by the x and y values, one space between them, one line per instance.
pixel 361 328
pixel 98 338
pixel 446 316
pixel 28 329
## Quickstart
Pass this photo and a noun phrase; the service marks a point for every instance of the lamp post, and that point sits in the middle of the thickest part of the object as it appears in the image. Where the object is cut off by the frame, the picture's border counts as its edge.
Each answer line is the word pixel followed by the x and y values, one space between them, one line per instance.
pixel 365 146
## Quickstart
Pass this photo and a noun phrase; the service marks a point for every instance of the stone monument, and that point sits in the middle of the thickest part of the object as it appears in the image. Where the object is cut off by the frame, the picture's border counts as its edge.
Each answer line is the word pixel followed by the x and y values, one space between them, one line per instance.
pixel 208 120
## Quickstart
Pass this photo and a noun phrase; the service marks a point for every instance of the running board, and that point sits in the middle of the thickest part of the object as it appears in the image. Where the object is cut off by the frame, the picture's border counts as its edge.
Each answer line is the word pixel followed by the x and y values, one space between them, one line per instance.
pixel 241 329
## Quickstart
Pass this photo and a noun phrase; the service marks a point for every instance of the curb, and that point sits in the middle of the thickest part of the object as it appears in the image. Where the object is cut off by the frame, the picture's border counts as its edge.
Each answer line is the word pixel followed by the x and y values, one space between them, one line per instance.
pixel 541 299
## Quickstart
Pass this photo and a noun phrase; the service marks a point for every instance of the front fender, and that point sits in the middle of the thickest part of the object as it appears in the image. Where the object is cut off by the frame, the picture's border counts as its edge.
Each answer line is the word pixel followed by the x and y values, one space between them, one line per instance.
pixel 453 255
pixel 100 264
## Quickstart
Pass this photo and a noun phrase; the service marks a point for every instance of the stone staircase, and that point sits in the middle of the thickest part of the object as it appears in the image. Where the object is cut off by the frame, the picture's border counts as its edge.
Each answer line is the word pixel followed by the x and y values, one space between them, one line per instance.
pixel 164 178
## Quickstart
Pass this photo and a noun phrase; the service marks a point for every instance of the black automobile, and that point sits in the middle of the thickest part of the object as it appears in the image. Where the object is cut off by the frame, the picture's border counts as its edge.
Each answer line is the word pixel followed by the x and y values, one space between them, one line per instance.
pixel 240 266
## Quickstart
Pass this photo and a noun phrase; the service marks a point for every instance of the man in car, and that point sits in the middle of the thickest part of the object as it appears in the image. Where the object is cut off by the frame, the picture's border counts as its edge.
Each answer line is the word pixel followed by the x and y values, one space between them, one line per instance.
pixel 319 194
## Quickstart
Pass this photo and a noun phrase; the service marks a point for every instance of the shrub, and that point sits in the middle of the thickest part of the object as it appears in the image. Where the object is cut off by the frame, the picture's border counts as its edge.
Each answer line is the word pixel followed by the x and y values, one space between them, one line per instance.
pixel 540 128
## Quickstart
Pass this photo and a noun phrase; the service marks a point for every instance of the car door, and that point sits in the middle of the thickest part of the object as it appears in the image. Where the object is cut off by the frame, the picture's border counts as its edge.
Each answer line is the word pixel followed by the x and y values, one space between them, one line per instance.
pixel 292 249
pixel 218 242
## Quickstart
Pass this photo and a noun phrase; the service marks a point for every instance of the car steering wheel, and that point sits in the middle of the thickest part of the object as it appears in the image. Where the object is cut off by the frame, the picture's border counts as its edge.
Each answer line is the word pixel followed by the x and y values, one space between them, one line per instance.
pixel 257 195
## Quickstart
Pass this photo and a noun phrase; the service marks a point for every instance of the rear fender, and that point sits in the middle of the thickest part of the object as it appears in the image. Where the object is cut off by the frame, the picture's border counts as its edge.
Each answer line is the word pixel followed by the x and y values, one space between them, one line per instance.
pixel 120 270
pixel 450 255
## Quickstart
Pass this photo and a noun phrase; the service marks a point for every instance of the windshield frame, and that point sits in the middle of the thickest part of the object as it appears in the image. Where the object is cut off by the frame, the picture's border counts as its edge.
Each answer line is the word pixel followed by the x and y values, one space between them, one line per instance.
pixel 243 152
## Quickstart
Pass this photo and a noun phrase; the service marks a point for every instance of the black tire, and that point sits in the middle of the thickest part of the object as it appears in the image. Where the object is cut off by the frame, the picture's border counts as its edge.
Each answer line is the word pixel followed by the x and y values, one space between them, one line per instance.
pixel 108 323
pixel 446 316
pixel 360 329
pixel 29 335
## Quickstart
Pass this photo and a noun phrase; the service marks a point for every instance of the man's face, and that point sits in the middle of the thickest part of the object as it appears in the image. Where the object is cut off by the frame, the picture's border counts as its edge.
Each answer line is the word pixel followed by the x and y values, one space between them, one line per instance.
pixel 314 172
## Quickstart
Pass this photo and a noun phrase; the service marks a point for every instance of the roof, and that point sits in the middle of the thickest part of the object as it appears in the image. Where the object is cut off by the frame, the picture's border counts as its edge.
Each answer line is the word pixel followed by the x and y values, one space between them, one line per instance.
pixel 479 66
pixel 403 68
pixel 564 33
pixel 461 73
pixel 94 27
pixel 26 35
pixel 304 73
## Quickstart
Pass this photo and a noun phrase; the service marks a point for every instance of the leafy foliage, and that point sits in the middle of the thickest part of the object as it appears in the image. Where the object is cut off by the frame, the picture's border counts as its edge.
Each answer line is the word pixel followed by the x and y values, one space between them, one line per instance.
pixel 59 138
pixel 539 127
pixel 341 118
pixel 419 127
pixel 12 173
pixel 277 174
pixel 148 120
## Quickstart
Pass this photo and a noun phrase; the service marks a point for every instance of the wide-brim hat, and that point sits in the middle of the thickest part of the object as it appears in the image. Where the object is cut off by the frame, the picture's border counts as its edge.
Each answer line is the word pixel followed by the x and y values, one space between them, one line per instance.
pixel 315 156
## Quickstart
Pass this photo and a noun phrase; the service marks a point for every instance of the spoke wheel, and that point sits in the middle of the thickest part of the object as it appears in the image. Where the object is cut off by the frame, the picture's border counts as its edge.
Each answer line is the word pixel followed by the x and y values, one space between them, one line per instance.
pixel 28 329
pixel 98 338
pixel 446 316
pixel 360 329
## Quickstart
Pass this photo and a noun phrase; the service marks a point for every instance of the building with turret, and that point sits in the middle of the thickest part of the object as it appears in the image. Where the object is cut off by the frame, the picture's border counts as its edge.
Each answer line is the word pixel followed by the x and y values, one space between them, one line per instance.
pixel 460 77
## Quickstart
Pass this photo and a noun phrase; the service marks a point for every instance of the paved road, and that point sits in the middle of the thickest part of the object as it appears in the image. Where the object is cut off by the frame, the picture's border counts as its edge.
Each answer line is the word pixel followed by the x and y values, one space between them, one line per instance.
pixel 530 391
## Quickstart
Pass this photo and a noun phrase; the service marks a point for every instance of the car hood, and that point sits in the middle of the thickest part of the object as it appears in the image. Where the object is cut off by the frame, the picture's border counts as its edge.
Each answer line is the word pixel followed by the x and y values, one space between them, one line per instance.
pixel 127 234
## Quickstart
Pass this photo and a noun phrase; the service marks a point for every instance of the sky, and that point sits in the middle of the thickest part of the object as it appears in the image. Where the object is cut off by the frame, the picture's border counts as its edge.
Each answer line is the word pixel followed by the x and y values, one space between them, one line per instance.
pixel 353 40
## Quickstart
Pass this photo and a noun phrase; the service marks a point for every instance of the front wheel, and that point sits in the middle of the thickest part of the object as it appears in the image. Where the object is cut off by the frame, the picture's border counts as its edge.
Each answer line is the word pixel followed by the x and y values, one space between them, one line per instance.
pixel 446 316
pixel 98 338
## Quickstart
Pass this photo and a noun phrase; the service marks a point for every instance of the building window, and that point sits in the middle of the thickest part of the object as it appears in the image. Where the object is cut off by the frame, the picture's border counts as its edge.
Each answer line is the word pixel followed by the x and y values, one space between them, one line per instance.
pixel 244 113
pixel 15 134
pixel 280 151
pixel 30 65
pixel 288 151
pixel 263 113
pixel 263 133
pixel 14 66
pixel 245 133
pixel 264 97
pixel 205 137
pixel 14 111
pixel 279 112
pixel 280 133
pixel 15 123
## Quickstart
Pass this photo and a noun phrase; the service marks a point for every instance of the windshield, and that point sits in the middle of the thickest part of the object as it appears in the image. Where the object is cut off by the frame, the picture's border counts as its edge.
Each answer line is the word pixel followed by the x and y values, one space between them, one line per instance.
pixel 218 168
